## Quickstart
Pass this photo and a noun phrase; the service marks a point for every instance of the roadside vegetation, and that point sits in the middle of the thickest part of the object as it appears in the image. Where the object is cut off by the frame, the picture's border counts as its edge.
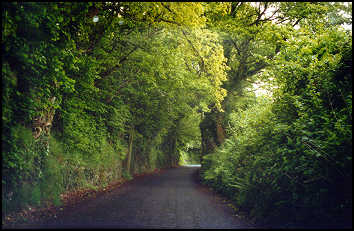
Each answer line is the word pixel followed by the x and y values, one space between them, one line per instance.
pixel 93 93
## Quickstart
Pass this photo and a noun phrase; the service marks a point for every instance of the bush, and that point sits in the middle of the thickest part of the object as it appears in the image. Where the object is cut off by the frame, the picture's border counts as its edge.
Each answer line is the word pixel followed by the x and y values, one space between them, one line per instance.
pixel 290 158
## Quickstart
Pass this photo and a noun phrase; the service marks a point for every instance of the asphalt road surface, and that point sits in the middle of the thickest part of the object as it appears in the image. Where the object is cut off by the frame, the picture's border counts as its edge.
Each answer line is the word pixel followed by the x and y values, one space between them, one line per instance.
pixel 172 198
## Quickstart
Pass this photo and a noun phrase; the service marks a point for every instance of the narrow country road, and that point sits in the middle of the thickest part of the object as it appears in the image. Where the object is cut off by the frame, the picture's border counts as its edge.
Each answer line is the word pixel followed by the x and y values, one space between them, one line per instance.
pixel 172 198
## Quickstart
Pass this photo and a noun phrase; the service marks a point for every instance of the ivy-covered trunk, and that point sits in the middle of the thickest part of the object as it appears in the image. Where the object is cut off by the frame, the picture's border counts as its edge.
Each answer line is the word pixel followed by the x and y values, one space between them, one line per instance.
pixel 212 131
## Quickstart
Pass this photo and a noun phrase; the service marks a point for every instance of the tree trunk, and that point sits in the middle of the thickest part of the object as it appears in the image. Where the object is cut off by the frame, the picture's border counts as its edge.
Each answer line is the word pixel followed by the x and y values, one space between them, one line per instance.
pixel 130 147
pixel 220 132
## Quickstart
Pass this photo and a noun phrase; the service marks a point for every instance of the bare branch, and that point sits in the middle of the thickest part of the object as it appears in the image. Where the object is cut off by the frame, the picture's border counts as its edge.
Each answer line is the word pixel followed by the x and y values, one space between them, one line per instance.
pixel 259 15
pixel 235 45
pixel 168 8
pixel 234 8
pixel 270 18
pixel 265 8
pixel 297 21
pixel 124 58
pixel 172 22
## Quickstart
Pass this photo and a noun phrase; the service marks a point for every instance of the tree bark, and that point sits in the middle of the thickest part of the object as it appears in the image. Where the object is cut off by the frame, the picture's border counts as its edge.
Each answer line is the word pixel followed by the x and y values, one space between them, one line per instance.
pixel 130 147
pixel 220 132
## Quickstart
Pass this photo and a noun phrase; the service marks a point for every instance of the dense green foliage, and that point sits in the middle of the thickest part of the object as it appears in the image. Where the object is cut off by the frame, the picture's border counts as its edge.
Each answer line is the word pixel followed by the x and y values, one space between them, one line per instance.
pixel 104 100
pixel 293 155
pixel 288 157
pixel 156 84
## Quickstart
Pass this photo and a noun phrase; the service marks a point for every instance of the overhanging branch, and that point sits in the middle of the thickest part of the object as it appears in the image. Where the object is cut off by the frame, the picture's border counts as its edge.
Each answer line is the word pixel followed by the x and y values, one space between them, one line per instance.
pixel 195 50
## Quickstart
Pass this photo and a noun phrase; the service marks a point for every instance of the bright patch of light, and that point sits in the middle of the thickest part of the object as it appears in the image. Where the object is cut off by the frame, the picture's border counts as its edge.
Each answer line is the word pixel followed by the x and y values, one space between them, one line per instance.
pixel 260 89
pixel 346 15
pixel 347 27
pixel 95 19
pixel 260 92
pixel 192 165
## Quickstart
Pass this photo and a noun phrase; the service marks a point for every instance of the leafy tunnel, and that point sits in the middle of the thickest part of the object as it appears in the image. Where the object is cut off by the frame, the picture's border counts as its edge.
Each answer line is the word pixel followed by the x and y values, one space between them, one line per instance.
pixel 258 93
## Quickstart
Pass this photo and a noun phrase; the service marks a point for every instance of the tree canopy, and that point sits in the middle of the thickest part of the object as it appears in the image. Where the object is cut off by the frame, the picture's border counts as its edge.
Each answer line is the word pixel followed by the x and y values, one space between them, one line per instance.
pixel 93 92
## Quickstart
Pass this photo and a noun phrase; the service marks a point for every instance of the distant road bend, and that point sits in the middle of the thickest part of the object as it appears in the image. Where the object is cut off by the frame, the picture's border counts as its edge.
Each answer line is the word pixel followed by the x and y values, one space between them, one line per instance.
pixel 172 198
